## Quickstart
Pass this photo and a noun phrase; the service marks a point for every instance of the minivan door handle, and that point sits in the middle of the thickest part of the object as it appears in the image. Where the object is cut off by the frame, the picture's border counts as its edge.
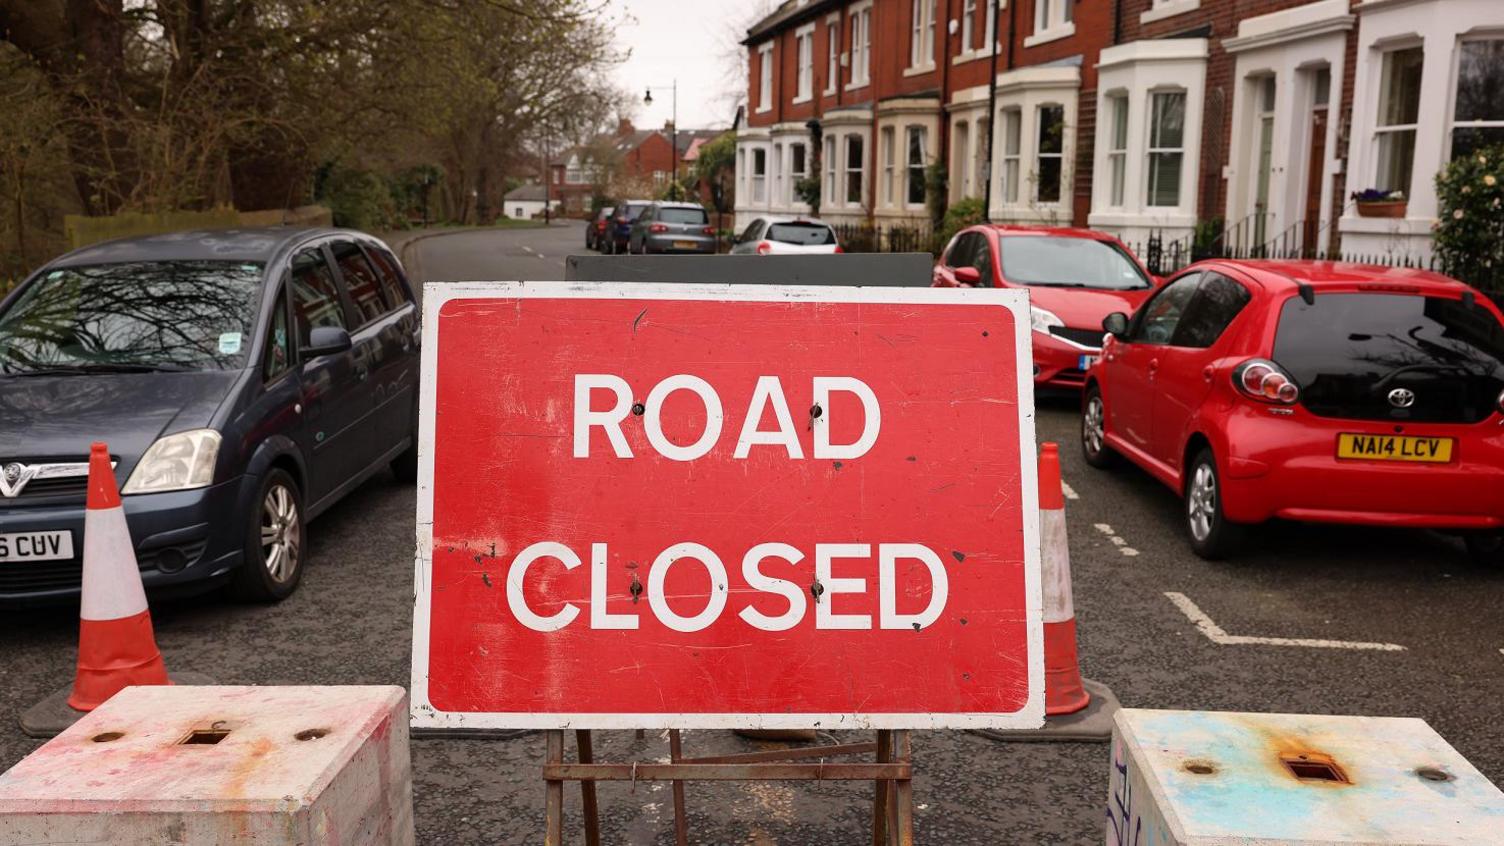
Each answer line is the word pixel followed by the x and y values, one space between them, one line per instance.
pixel 1207 372
pixel 1153 368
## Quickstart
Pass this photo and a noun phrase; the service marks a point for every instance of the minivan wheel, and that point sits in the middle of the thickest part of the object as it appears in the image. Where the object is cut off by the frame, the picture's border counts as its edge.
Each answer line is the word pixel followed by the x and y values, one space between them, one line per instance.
pixel 1485 548
pixel 274 547
pixel 1212 536
pixel 1094 446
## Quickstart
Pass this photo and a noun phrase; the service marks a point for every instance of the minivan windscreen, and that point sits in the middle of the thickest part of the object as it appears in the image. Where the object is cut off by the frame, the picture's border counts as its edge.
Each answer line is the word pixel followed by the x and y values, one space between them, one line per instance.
pixel 1392 356
pixel 802 234
pixel 133 317
pixel 672 215
pixel 1053 262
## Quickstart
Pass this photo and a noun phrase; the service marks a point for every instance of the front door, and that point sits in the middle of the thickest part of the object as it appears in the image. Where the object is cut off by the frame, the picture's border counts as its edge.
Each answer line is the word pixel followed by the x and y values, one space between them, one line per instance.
pixel 1321 82
pixel 1132 370
pixel 1264 168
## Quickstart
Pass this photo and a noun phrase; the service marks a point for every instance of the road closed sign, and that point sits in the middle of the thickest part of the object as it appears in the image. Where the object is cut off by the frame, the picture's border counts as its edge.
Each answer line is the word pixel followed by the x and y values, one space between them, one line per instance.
pixel 675 506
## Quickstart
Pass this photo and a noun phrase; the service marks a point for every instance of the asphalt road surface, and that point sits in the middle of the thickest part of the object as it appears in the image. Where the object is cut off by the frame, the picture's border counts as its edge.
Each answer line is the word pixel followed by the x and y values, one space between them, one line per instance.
pixel 1321 589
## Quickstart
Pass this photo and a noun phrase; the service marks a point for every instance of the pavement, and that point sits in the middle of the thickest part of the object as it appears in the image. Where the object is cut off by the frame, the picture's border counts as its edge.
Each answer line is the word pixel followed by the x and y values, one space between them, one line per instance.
pixel 1306 620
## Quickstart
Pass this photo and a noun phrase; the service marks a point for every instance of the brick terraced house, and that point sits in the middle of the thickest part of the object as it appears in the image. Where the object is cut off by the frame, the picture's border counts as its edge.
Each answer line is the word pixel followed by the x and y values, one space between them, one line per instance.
pixel 1252 119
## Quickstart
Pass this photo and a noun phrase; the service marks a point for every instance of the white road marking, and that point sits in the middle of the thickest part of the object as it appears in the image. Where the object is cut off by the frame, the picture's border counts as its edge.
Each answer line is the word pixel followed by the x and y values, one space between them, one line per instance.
pixel 1217 635
pixel 1070 492
pixel 1120 543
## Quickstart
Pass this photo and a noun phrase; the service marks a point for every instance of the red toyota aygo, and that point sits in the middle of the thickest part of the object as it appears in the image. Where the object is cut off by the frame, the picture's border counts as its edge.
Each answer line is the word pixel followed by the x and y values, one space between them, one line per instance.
pixel 1311 391
pixel 1075 277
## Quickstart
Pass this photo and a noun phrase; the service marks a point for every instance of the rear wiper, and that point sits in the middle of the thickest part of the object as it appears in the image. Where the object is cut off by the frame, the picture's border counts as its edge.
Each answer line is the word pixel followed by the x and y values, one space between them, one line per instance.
pixel 1434 367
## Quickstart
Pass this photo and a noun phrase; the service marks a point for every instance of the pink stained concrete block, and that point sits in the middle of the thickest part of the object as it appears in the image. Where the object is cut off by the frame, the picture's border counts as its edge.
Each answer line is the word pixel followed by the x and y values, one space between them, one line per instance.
pixel 221 765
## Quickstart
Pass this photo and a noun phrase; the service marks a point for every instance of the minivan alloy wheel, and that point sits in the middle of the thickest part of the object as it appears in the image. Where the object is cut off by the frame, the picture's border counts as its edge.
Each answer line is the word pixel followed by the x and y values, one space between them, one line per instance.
pixel 1201 502
pixel 281 533
pixel 1091 426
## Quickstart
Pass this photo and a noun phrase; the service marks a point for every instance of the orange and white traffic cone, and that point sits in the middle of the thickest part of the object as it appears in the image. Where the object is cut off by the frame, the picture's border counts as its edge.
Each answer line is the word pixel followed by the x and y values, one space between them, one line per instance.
pixel 1075 708
pixel 116 646
pixel 1063 691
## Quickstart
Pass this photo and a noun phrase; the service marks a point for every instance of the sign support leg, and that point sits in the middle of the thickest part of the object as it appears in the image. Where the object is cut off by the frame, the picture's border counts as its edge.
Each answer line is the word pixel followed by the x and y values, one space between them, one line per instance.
pixel 587 791
pixel 681 816
pixel 880 795
pixel 903 791
pixel 554 804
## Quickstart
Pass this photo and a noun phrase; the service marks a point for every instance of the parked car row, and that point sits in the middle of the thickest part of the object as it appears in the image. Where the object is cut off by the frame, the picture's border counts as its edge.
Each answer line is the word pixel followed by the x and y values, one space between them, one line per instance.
pixel 1301 390
pixel 643 227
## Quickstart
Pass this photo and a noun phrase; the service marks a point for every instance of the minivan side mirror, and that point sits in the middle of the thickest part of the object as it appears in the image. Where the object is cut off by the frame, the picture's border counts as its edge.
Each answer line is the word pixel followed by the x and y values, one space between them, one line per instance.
pixel 968 275
pixel 1115 324
pixel 326 340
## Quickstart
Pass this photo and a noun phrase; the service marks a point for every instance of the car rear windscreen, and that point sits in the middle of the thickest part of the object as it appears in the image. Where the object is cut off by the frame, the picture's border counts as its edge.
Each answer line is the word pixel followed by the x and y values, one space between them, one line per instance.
pixel 1393 356
pixel 632 211
pixel 802 234
pixel 672 215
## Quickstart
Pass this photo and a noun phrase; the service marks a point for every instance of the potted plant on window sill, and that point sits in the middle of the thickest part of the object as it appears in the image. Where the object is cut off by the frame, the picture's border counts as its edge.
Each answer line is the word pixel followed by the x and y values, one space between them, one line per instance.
pixel 1374 202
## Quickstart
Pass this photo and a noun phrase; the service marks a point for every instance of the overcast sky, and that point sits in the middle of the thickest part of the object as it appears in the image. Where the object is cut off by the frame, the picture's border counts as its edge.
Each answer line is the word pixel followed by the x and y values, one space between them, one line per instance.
pixel 693 40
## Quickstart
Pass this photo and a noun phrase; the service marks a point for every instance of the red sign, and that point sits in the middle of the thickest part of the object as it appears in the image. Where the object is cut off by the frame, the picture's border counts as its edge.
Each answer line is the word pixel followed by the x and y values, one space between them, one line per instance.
pixel 729 506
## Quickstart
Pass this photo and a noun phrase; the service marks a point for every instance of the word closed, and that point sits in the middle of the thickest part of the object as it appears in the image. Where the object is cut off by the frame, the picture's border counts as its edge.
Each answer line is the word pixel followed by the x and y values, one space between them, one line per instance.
pixel 701 507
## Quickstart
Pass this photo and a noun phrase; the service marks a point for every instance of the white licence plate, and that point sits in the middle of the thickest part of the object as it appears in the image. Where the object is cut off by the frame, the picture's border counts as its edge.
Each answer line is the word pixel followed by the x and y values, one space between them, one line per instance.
pixel 36 546
pixel 1087 361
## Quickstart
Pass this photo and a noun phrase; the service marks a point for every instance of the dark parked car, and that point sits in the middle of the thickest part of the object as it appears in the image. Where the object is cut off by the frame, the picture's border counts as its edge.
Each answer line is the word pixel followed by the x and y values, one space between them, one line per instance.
pixel 672 228
pixel 595 228
pixel 244 380
pixel 620 227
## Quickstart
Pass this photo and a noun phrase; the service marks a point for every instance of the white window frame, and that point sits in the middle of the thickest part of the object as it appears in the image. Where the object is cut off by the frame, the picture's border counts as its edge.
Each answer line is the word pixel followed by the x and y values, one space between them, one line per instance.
pixel 1452 122
pixel 857 172
pixel 968 25
pixel 860 17
pixel 962 153
pixel 1117 148
pixel 1150 151
pixel 921 37
pixel 910 165
pixel 888 146
pixel 1011 145
pixel 981 129
pixel 777 193
pixel 796 175
pixel 1161 9
pixel 804 43
pixel 765 77
pixel 1380 129
pixel 829 163
pixel 832 54
pixel 1053 20
pixel 759 185
pixel 1040 155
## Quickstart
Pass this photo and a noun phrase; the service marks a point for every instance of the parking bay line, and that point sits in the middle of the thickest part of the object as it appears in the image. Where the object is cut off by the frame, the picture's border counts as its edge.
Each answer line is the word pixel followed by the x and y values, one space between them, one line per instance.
pixel 1070 492
pixel 1117 541
pixel 1217 635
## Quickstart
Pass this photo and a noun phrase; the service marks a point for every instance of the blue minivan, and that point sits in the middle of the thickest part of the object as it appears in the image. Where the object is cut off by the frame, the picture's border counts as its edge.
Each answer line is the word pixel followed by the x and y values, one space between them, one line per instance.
pixel 244 381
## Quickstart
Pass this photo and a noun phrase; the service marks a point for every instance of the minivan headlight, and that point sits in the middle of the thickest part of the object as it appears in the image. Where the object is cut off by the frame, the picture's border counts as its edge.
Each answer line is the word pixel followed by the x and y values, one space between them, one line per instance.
pixel 177 462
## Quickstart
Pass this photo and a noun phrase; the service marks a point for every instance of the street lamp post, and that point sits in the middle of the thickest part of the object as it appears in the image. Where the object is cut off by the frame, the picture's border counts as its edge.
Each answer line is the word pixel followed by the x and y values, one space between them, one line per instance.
pixel 673 121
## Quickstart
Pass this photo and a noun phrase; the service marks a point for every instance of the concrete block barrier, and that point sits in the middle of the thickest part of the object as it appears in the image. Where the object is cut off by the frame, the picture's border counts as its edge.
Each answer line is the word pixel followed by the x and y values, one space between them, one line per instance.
pixel 221 765
pixel 1220 779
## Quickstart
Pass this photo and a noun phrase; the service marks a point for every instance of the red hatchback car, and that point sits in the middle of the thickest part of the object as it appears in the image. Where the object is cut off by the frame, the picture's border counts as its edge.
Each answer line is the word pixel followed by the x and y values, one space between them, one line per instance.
pixel 1309 391
pixel 1075 277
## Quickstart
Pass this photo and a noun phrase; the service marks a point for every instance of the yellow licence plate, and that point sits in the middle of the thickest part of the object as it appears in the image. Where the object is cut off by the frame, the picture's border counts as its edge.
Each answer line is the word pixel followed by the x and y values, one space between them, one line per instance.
pixel 1394 448
pixel 684 245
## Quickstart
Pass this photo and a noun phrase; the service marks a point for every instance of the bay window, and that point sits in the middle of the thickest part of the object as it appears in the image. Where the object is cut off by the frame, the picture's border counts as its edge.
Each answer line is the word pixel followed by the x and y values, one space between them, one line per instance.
pixel 916 166
pixel 1399 112
pixel 759 175
pixel 828 164
pixel 1166 147
pixel 1117 148
pixel 1050 156
pixel 854 170
pixel 887 144
pixel 798 171
pixel 1478 115
pixel 1012 138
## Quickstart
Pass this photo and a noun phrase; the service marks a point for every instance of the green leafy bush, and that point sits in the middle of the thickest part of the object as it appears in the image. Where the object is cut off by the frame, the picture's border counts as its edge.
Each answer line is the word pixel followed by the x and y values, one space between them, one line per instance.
pixel 359 199
pixel 1470 231
pixel 960 214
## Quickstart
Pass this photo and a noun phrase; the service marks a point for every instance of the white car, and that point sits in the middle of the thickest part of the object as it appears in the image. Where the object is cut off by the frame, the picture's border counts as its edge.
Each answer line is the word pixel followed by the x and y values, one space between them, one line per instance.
pixel 786 236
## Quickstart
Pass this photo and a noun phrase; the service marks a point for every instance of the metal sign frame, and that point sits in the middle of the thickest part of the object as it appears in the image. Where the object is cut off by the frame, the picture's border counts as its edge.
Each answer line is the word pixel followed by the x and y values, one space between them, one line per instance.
pixel 425 715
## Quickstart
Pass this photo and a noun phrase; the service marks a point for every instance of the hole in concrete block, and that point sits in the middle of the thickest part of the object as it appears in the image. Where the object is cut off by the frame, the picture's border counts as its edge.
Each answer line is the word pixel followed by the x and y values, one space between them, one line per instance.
pixel 204 737
pixel 311 734
pixel 1313 766
pixel 1200 767
pixel 108 736
pixel 1433 774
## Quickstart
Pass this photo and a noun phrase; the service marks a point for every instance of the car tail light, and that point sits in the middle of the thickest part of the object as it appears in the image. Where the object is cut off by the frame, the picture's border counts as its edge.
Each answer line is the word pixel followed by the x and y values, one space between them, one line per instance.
pixel 708 230
pixel 658 227
pixel 764 247
pixel 1501 400
pixel 838 249
pixel 1264 381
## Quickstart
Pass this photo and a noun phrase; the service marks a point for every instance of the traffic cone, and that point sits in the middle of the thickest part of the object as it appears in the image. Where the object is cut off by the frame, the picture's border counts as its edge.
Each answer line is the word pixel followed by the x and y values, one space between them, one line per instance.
pixel 1063 691
pixel 116 647
pixel 1075 708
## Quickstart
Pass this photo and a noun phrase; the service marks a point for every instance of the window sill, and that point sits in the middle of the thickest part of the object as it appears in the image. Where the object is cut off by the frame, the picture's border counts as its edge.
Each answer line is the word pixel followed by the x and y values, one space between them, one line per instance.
pixel 919 70
pixel 971 56
pixel 1166 218
pixel 762 110
pixel 829 92
pixel 1047 35
pixel 799 101
pixel 1412 225
pixel 1168 10
pixel 858 83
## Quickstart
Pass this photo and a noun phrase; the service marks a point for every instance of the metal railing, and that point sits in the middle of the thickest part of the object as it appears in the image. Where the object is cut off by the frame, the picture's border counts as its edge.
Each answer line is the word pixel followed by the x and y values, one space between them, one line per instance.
pixel 905 237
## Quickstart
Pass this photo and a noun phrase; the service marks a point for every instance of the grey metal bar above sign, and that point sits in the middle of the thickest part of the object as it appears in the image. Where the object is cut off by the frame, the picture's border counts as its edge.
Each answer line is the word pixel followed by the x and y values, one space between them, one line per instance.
pixel 886 270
